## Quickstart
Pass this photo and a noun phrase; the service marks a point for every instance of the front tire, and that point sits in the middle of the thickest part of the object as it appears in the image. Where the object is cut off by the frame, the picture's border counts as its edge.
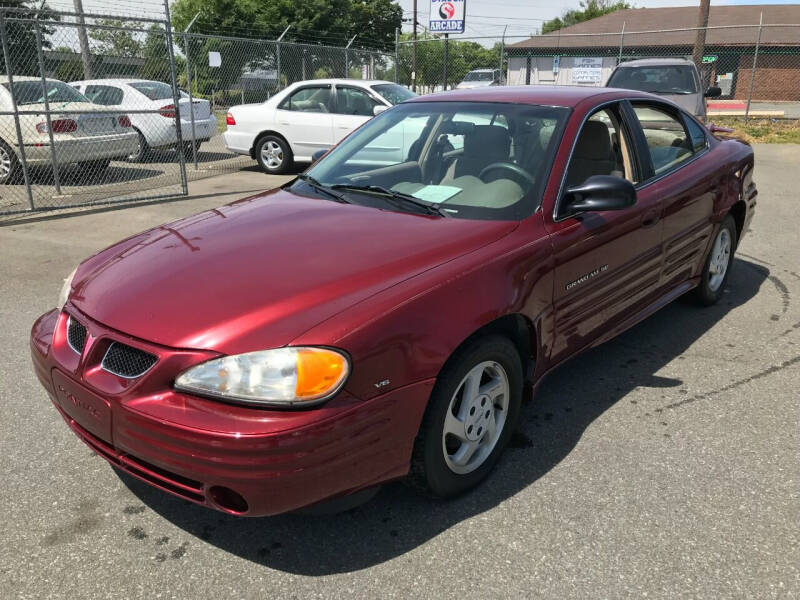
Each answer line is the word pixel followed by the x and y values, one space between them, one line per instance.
pixel 717 266
pixel 273 155
pixel 471 415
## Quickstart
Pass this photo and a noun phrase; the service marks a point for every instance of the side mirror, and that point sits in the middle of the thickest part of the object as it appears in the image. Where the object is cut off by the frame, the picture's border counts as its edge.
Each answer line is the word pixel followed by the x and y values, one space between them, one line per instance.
pixel 317 155
pixel 378 109
pixel 713 92
pixel 599 193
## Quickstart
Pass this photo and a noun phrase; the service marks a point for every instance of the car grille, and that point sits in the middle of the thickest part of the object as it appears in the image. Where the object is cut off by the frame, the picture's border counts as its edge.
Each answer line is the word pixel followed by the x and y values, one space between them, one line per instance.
pixel 128 362
pixel 76 335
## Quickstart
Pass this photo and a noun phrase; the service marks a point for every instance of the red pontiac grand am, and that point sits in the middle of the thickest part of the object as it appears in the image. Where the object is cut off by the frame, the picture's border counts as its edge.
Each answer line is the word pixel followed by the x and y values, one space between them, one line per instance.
pixel 380 316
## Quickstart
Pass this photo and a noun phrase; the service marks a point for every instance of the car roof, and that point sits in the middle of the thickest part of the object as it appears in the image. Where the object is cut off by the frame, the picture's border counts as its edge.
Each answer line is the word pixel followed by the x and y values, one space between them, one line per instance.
pixel 655 62
pixel 115 80
pixel 4 78
pixel 546 95
pixel 363 82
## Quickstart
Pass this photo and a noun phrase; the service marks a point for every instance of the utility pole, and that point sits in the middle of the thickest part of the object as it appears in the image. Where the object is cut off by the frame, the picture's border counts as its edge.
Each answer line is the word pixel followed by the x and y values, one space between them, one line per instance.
pixel 414 59
pixel 700 40
pixel 83 40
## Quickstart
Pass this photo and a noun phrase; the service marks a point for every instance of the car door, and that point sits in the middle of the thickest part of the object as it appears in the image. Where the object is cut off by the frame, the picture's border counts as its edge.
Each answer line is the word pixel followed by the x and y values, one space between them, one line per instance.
pixel 354 107
pixel 673 144
pixel 304 117
pixel 607 264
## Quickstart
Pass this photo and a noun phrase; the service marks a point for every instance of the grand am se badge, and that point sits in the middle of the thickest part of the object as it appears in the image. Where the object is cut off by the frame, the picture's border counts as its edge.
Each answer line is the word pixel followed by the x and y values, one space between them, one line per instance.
pixel 587 277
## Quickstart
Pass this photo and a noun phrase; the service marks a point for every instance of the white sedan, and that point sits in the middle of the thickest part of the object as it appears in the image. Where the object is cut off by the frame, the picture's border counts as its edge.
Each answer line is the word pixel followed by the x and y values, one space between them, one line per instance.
pixel 307 117
pixel 86 140
pixel 156 129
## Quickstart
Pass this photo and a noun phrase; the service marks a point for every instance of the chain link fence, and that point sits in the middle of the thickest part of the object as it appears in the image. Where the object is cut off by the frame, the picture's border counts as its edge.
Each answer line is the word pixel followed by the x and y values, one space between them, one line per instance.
pixel 756 67
pixel 98 109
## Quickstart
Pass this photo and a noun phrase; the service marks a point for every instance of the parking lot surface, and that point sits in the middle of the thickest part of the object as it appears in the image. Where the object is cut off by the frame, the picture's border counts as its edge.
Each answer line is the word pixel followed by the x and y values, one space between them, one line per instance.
pixel 661 464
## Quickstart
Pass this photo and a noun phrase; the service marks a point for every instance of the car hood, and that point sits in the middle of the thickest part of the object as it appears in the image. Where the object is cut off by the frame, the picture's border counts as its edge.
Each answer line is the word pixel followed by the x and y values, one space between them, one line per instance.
pixel 259 272
pixel 688 102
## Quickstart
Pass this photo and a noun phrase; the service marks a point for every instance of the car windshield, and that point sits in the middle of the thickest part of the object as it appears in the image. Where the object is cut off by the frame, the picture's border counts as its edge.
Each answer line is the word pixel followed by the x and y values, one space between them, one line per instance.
pixel 154 90
pixel 666 79
pixel 31 92
pixel 472 160
pixel 479 76
pixel 394 93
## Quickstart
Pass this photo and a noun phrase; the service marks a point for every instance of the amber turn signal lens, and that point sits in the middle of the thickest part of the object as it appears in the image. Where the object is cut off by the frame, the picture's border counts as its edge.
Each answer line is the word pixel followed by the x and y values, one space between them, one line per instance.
pixel 319 372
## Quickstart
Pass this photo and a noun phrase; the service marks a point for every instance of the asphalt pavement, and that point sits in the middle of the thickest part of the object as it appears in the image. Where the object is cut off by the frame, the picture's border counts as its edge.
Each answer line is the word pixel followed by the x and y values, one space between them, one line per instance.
pixel 665 463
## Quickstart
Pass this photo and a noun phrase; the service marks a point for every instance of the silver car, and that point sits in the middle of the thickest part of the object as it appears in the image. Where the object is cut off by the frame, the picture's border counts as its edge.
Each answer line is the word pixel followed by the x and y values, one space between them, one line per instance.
pixel 676 79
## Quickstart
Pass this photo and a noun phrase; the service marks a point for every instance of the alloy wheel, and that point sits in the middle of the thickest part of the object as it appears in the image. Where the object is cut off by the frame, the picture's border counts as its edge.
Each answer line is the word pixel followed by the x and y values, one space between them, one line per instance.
pixel 272 154
pixel 5 164
pixel 476 417
pixel 720 259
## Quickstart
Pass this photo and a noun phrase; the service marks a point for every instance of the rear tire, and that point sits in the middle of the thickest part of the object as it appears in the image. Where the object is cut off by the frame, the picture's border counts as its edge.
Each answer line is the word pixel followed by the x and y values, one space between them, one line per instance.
pixel 273 155
pixel 471 415
pixel 142 151
pixel 9 165
pixel 717 266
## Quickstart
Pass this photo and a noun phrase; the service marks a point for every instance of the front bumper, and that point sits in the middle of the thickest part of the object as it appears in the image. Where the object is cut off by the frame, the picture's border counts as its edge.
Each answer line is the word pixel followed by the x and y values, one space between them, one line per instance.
pixel 200 449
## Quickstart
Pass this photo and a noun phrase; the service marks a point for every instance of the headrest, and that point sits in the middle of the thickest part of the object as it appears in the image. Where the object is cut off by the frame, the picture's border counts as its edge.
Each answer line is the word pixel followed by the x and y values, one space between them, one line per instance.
pixel 594 143
pixel 490 141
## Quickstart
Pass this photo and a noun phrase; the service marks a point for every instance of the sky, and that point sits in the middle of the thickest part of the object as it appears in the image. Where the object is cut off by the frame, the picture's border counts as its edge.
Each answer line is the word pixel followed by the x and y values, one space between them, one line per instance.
pixel 523 17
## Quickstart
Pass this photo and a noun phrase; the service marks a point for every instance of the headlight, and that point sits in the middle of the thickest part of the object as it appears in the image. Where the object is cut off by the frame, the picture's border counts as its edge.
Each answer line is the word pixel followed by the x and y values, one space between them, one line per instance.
pixel 280 377
pixel 66 289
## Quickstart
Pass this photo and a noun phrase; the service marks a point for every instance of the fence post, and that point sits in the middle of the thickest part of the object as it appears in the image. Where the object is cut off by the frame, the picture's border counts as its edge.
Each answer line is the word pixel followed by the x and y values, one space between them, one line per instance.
pixel 47 116
pixel 396 54
pixel 10 74
pixel 278 57
pixel 175 99
pixel 621 43
pixel 189 85
pixel 753 70
pixel 446 58
pixel 347 57
pixel 502 50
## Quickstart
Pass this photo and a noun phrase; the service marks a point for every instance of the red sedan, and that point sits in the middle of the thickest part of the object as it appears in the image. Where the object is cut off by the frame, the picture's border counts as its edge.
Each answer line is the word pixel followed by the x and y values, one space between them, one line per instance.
pixel 380 316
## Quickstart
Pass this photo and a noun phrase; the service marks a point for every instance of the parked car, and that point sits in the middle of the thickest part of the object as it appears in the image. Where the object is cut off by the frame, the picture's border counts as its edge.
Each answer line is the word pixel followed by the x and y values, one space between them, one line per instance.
pixel 360 325
pixel 674 78
pixel 156 129
pixel 482 78
pixel 87 141
pixel 306 117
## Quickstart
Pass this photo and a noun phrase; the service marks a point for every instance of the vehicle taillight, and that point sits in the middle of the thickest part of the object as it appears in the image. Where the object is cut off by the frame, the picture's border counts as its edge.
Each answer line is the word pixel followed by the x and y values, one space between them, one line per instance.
pixel 59 126
pixel 124 121
pixel 229 120
pixel 167 111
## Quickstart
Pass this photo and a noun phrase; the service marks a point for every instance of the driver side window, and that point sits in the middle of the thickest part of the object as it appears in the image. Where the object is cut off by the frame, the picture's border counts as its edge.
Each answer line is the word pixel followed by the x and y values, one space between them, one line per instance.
pixel 603 148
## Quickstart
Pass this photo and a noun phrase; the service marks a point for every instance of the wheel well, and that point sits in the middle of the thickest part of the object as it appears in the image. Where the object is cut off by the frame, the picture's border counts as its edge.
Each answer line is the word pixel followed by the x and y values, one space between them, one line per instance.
pixel 738 212
pixel 519 329
pixel 263 134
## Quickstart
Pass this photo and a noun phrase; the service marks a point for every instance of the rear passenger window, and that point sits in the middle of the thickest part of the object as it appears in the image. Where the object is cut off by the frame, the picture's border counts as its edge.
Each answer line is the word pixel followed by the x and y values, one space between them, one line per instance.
pixel 309 99
pixel 696 133
pixel 666 138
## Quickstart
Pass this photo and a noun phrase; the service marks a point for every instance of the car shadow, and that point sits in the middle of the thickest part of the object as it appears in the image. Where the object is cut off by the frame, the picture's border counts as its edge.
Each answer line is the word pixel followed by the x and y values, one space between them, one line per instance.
pixel 398 520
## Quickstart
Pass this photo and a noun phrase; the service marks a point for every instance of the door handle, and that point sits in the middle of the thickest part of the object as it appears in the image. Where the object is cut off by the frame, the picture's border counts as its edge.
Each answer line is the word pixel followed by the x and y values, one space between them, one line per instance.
pixel 650 218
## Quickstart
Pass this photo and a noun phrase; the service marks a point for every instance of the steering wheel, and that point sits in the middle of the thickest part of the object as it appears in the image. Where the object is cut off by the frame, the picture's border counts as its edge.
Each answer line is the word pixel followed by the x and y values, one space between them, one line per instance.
pixel 509 167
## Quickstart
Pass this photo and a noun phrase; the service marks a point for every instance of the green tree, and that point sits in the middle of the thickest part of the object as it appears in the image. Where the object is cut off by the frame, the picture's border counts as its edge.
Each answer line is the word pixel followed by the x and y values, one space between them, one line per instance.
pixel 154 52
pixel 21 35
pixel 589 9
pixel 118 40
pixel 68 66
